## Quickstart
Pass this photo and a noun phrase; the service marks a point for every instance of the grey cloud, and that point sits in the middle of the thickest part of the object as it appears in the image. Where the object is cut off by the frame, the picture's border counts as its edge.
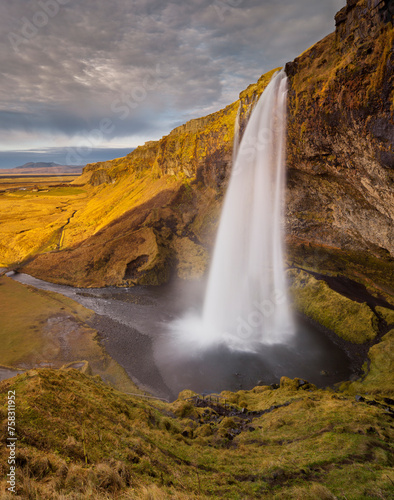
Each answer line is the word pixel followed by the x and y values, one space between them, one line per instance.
pixel 123 121
pixel 168 60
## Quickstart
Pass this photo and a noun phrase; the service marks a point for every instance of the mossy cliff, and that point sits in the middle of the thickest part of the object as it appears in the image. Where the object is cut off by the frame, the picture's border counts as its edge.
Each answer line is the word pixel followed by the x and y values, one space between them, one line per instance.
pixel 341 135
pixel 152 211
pixel 200 150
pixel 163 199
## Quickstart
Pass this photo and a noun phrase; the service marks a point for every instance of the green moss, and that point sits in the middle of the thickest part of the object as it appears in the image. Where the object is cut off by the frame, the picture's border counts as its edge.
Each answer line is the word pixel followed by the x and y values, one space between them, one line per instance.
pixel 377 274
pixel 387 315
pixel 380 373
pixel 349 320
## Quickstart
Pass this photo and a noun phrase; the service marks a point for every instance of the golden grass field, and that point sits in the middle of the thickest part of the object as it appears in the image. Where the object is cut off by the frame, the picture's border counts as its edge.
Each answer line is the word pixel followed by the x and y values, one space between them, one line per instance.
pixel 43 216
pixel 32 214
pixel 18 181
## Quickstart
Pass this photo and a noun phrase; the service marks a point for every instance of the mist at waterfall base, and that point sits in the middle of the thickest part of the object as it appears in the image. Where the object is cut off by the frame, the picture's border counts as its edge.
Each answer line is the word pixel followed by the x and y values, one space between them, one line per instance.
pixel 185 363
pixel 244 332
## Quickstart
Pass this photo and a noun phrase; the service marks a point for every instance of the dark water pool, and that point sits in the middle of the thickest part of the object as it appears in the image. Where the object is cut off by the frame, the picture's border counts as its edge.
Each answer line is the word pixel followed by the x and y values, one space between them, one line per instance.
pixel 310 356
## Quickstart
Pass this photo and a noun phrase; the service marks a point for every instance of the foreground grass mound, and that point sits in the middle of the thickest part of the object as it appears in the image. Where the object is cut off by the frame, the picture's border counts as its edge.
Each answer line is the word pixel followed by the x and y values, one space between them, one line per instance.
pixel 79 438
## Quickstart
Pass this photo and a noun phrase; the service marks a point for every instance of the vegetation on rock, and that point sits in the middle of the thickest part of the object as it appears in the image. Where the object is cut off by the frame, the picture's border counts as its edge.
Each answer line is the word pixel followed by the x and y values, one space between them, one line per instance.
pixel 137 219
pixel 340 156
pixel 349 320
pixel 340 145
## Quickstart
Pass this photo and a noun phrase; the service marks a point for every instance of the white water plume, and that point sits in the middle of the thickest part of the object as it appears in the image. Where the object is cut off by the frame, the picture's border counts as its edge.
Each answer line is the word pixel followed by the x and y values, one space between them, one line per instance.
pixel 246 301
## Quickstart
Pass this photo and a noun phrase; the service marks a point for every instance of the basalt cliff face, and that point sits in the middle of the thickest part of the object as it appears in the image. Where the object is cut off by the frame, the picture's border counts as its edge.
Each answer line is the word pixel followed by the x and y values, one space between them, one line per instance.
pixel 155 211
pixel 341 135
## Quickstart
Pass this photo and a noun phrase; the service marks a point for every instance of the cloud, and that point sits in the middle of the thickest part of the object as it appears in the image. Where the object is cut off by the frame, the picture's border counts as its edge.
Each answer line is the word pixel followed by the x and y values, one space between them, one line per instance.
pixel 143 64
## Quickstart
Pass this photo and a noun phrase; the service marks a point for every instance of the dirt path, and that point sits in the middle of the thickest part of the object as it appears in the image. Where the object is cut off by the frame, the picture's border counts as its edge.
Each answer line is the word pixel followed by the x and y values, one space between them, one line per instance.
pixel 61 238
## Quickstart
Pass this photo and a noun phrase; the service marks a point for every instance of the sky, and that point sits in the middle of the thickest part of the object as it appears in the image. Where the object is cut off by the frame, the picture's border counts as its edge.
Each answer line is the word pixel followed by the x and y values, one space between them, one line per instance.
pixel 89 80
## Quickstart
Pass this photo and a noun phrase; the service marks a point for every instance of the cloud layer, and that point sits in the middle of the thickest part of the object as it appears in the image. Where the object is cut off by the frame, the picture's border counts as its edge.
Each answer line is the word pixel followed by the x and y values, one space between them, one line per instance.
pixel 142 66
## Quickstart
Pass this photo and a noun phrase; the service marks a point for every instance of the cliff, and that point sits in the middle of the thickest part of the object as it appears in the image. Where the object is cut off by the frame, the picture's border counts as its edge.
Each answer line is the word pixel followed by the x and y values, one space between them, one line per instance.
pixel 138 219
pixel 341 135
pixel 201 149
pixel 154 210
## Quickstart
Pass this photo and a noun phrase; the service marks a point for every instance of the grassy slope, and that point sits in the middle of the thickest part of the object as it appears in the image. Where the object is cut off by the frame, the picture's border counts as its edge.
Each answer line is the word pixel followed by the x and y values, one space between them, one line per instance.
pixel 321 445
pixel 332 78
pixel 80 438
pixel 118 186
pixel 51 332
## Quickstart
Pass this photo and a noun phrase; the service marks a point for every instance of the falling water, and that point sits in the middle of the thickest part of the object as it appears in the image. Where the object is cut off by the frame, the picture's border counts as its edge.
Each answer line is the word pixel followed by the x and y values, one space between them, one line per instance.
pixel 246 303
pixel 246 300
pixel 236 133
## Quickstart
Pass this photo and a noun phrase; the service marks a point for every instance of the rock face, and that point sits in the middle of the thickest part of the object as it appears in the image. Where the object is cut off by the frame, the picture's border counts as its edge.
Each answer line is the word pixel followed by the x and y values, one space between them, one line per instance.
pixel 340 203
pixel 341 134
pixel 201 149
pixel 179 182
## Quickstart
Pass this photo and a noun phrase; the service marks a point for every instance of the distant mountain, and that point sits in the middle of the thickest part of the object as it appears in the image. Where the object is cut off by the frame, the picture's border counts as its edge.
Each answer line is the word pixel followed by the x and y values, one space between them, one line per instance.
pixel 42 168
pixel 41 164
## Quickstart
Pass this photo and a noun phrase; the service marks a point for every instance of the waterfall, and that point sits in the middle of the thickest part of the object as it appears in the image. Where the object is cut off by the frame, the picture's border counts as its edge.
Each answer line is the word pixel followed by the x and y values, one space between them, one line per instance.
pixel 236 133
pixel 246 302
pixel 246 299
